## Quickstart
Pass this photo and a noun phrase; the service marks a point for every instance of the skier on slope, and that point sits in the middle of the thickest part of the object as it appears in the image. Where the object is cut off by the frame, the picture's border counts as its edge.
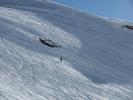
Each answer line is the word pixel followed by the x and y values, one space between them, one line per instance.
pixel 61 59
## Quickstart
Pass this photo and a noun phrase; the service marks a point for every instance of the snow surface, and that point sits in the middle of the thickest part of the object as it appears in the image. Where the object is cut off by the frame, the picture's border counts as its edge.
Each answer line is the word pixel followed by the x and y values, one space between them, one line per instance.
pixel 97 54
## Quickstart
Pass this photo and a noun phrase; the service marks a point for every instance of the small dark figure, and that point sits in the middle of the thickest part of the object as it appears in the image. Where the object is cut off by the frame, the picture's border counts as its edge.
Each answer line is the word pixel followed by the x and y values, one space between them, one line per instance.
pixel 61 59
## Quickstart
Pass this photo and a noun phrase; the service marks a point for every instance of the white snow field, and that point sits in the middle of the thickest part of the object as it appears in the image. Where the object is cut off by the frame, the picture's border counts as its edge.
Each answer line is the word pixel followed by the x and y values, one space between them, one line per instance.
pixel 97 54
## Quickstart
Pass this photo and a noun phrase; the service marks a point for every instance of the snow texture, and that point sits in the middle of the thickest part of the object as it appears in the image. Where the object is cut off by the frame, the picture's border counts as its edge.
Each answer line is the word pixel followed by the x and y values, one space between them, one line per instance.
pixel 97 54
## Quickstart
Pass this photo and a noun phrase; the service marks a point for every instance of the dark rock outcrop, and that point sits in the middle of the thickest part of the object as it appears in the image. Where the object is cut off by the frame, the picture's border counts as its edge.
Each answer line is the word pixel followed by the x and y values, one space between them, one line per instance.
pixel 48 42
pixel 127 26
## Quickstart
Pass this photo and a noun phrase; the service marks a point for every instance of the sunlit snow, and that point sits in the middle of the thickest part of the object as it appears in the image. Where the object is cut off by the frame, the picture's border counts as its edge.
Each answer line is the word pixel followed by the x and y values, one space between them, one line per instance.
pixel 97 54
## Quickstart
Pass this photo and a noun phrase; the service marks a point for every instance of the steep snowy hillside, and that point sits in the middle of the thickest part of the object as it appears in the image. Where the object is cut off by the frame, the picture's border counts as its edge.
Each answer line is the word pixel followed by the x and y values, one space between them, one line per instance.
pixel 97 54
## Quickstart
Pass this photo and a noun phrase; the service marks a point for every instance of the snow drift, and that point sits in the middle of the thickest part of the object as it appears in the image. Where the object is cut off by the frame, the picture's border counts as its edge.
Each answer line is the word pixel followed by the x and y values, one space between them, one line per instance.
pixel 97 54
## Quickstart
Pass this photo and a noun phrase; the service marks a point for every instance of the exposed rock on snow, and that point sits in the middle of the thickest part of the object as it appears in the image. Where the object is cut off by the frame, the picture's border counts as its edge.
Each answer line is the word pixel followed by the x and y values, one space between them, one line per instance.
pixel 128 27
pixel 48 42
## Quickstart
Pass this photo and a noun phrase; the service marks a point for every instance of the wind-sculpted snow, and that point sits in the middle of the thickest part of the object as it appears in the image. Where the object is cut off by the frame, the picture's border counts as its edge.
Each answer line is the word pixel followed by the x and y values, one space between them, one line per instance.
pixel 97 54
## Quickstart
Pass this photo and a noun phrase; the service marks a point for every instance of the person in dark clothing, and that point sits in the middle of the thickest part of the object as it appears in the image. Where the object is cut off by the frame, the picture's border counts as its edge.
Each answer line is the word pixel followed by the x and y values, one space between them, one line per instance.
pixel 61 59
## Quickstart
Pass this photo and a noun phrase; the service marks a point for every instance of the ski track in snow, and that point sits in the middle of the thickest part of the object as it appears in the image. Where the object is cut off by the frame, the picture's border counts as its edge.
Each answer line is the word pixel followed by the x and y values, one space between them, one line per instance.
pixel 97 54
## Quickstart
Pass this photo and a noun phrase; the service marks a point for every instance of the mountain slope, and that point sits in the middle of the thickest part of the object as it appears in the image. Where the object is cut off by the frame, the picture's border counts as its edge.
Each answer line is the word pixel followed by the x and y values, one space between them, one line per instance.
pixel 97 54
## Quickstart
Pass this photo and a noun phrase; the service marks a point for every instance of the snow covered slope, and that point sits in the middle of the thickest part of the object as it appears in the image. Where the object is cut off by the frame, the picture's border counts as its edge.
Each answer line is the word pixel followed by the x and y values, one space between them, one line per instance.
pixel 97 54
